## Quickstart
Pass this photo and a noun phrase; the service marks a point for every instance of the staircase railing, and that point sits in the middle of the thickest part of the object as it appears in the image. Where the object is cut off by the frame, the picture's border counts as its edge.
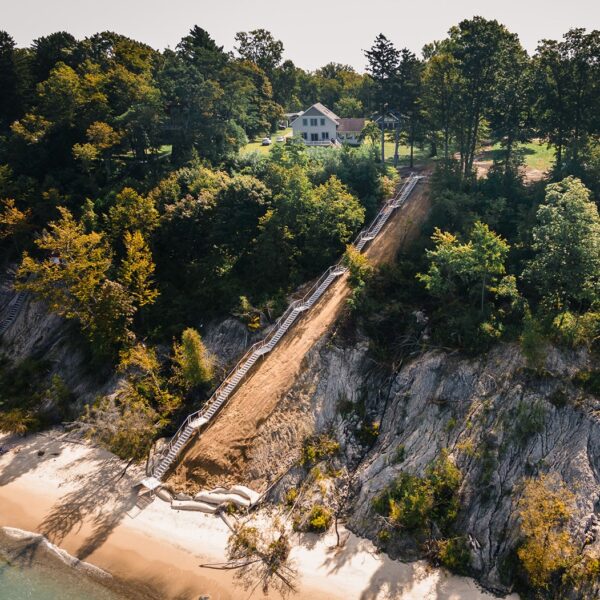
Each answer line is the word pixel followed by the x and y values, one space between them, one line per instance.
pixel 13 311
pixel 228 386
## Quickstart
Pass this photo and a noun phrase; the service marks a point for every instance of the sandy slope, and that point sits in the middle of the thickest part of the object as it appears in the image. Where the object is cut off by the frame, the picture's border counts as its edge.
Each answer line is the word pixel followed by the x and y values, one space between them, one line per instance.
pixel 220 452
pixel 77 496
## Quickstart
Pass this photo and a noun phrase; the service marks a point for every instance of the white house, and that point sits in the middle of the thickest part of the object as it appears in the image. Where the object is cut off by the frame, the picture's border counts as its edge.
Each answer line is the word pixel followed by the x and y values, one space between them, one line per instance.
pixel 319 126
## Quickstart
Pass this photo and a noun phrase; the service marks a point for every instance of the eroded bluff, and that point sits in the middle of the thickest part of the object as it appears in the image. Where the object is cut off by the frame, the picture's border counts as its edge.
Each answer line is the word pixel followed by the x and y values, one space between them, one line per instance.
pixel 500 422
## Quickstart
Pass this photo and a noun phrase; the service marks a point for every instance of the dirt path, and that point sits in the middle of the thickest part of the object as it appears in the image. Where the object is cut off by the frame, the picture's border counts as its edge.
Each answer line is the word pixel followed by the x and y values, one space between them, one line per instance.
pixel 221 451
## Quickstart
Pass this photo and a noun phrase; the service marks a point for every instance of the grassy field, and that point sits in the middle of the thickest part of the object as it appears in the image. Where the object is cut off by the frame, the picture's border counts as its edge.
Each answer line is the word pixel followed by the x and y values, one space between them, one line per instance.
pixel 421 156
pixel 537 155
pixel 255 145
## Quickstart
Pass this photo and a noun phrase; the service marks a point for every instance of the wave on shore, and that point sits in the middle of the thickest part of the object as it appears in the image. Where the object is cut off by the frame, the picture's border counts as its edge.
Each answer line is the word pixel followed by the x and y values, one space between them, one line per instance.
pixel 33 567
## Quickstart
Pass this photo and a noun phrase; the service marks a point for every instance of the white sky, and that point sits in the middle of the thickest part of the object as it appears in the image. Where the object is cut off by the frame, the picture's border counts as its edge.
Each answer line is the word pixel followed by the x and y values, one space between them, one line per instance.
pixel 314 32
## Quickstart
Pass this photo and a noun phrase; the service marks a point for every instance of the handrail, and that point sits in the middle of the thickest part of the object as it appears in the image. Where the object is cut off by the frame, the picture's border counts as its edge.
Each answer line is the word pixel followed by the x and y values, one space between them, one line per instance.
pixel 280 328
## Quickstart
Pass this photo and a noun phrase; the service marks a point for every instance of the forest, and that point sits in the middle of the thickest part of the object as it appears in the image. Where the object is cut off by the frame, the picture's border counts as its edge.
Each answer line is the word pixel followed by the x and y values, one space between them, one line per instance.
pixel 131 210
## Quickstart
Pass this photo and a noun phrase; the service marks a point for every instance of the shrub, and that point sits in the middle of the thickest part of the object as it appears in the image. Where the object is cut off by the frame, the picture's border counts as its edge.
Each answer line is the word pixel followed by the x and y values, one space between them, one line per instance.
pixel 248 314
pixel 361 270
pixel 454 554
pixel 319 519
pixel 577 330
pixel 533 343
pixel 450 425
pixel 317 448
pixel 17 421
pixel 529 420
pixel 415 503
pixel 368 433
pixel 291 496
pixel 407 502
pixel 588 381
pixel 400 454
pixel 359 267
pixel 559 398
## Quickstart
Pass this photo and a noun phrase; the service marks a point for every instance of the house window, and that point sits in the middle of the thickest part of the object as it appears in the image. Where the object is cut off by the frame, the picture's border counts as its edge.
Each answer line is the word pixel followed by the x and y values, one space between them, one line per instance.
pixel 314 137
pixel 304 135
pixel 305 122
pixel 313 122
pixel 325 135
pixel 322 122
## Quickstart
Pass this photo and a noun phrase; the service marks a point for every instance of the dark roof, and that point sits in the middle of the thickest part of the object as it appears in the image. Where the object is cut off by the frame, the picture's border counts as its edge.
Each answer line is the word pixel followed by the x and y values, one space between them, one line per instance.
pixel 350 125
pixel 318 108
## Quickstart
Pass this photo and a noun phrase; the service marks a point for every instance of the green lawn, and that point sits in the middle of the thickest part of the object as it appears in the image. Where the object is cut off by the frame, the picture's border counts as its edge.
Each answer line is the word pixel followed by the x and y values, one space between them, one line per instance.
pixel 538 156
pixel 255 145
pixel 421 156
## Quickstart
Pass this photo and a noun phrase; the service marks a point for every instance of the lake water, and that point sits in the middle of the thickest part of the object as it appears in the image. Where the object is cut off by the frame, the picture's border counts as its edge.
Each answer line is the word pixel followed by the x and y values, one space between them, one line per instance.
pixel 40 583
pixel 33 569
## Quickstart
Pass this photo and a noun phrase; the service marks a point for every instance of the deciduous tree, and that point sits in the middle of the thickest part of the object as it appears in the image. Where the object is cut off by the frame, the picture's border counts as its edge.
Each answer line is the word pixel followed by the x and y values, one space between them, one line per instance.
pixel 566 241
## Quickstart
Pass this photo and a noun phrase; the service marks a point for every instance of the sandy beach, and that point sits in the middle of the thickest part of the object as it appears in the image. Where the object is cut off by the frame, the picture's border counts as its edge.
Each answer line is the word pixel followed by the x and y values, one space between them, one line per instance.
pixel 79 498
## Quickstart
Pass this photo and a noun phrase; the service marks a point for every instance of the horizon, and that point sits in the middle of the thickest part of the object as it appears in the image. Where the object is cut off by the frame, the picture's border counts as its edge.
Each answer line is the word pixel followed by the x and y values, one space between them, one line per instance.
pixel 163 26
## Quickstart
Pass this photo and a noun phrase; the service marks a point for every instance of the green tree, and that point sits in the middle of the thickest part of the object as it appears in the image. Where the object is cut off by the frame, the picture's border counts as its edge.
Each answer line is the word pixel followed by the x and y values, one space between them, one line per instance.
pixel 567 76
pixel 72 278
pixel 61 96
pixel 51 49
pixel 476 300
pixel 193 364
pixel 370 132
pixel 14 223
pixel 407 100
pixel 137 269
pixel 475 265
pixel 440 95
pixel 208 96
pixel 260 47
pixel 240 204
pixel 348 107
pixel 9 81
pixel 286 85
pixel 566 241
pixel 383 59
pixel 132 212
pixel 544 511
pixel 470 79
pixel 418 503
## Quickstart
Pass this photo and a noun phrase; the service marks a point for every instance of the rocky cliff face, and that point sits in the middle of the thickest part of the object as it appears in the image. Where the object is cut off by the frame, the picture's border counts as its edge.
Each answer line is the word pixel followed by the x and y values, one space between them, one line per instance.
pixel 37 334
pixel 500 422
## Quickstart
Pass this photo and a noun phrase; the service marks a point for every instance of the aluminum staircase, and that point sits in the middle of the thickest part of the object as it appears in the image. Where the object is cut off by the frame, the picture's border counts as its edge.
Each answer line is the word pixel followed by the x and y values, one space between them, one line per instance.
pixel 220 396
pixel 13 311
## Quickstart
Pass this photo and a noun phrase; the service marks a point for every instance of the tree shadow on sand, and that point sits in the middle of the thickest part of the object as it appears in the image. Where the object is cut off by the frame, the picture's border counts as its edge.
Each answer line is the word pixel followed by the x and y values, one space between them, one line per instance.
pixel 102 498
pixel 393 579
pixel 26 454
pixel 390 580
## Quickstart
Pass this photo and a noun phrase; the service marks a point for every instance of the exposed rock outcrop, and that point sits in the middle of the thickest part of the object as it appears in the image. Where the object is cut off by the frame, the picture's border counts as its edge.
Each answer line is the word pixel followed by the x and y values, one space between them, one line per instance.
pixel 500 421
pixel 38 334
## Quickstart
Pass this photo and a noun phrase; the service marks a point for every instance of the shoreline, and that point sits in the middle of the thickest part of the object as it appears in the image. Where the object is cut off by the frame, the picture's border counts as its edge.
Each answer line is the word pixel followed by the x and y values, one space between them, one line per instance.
pixel 78 497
